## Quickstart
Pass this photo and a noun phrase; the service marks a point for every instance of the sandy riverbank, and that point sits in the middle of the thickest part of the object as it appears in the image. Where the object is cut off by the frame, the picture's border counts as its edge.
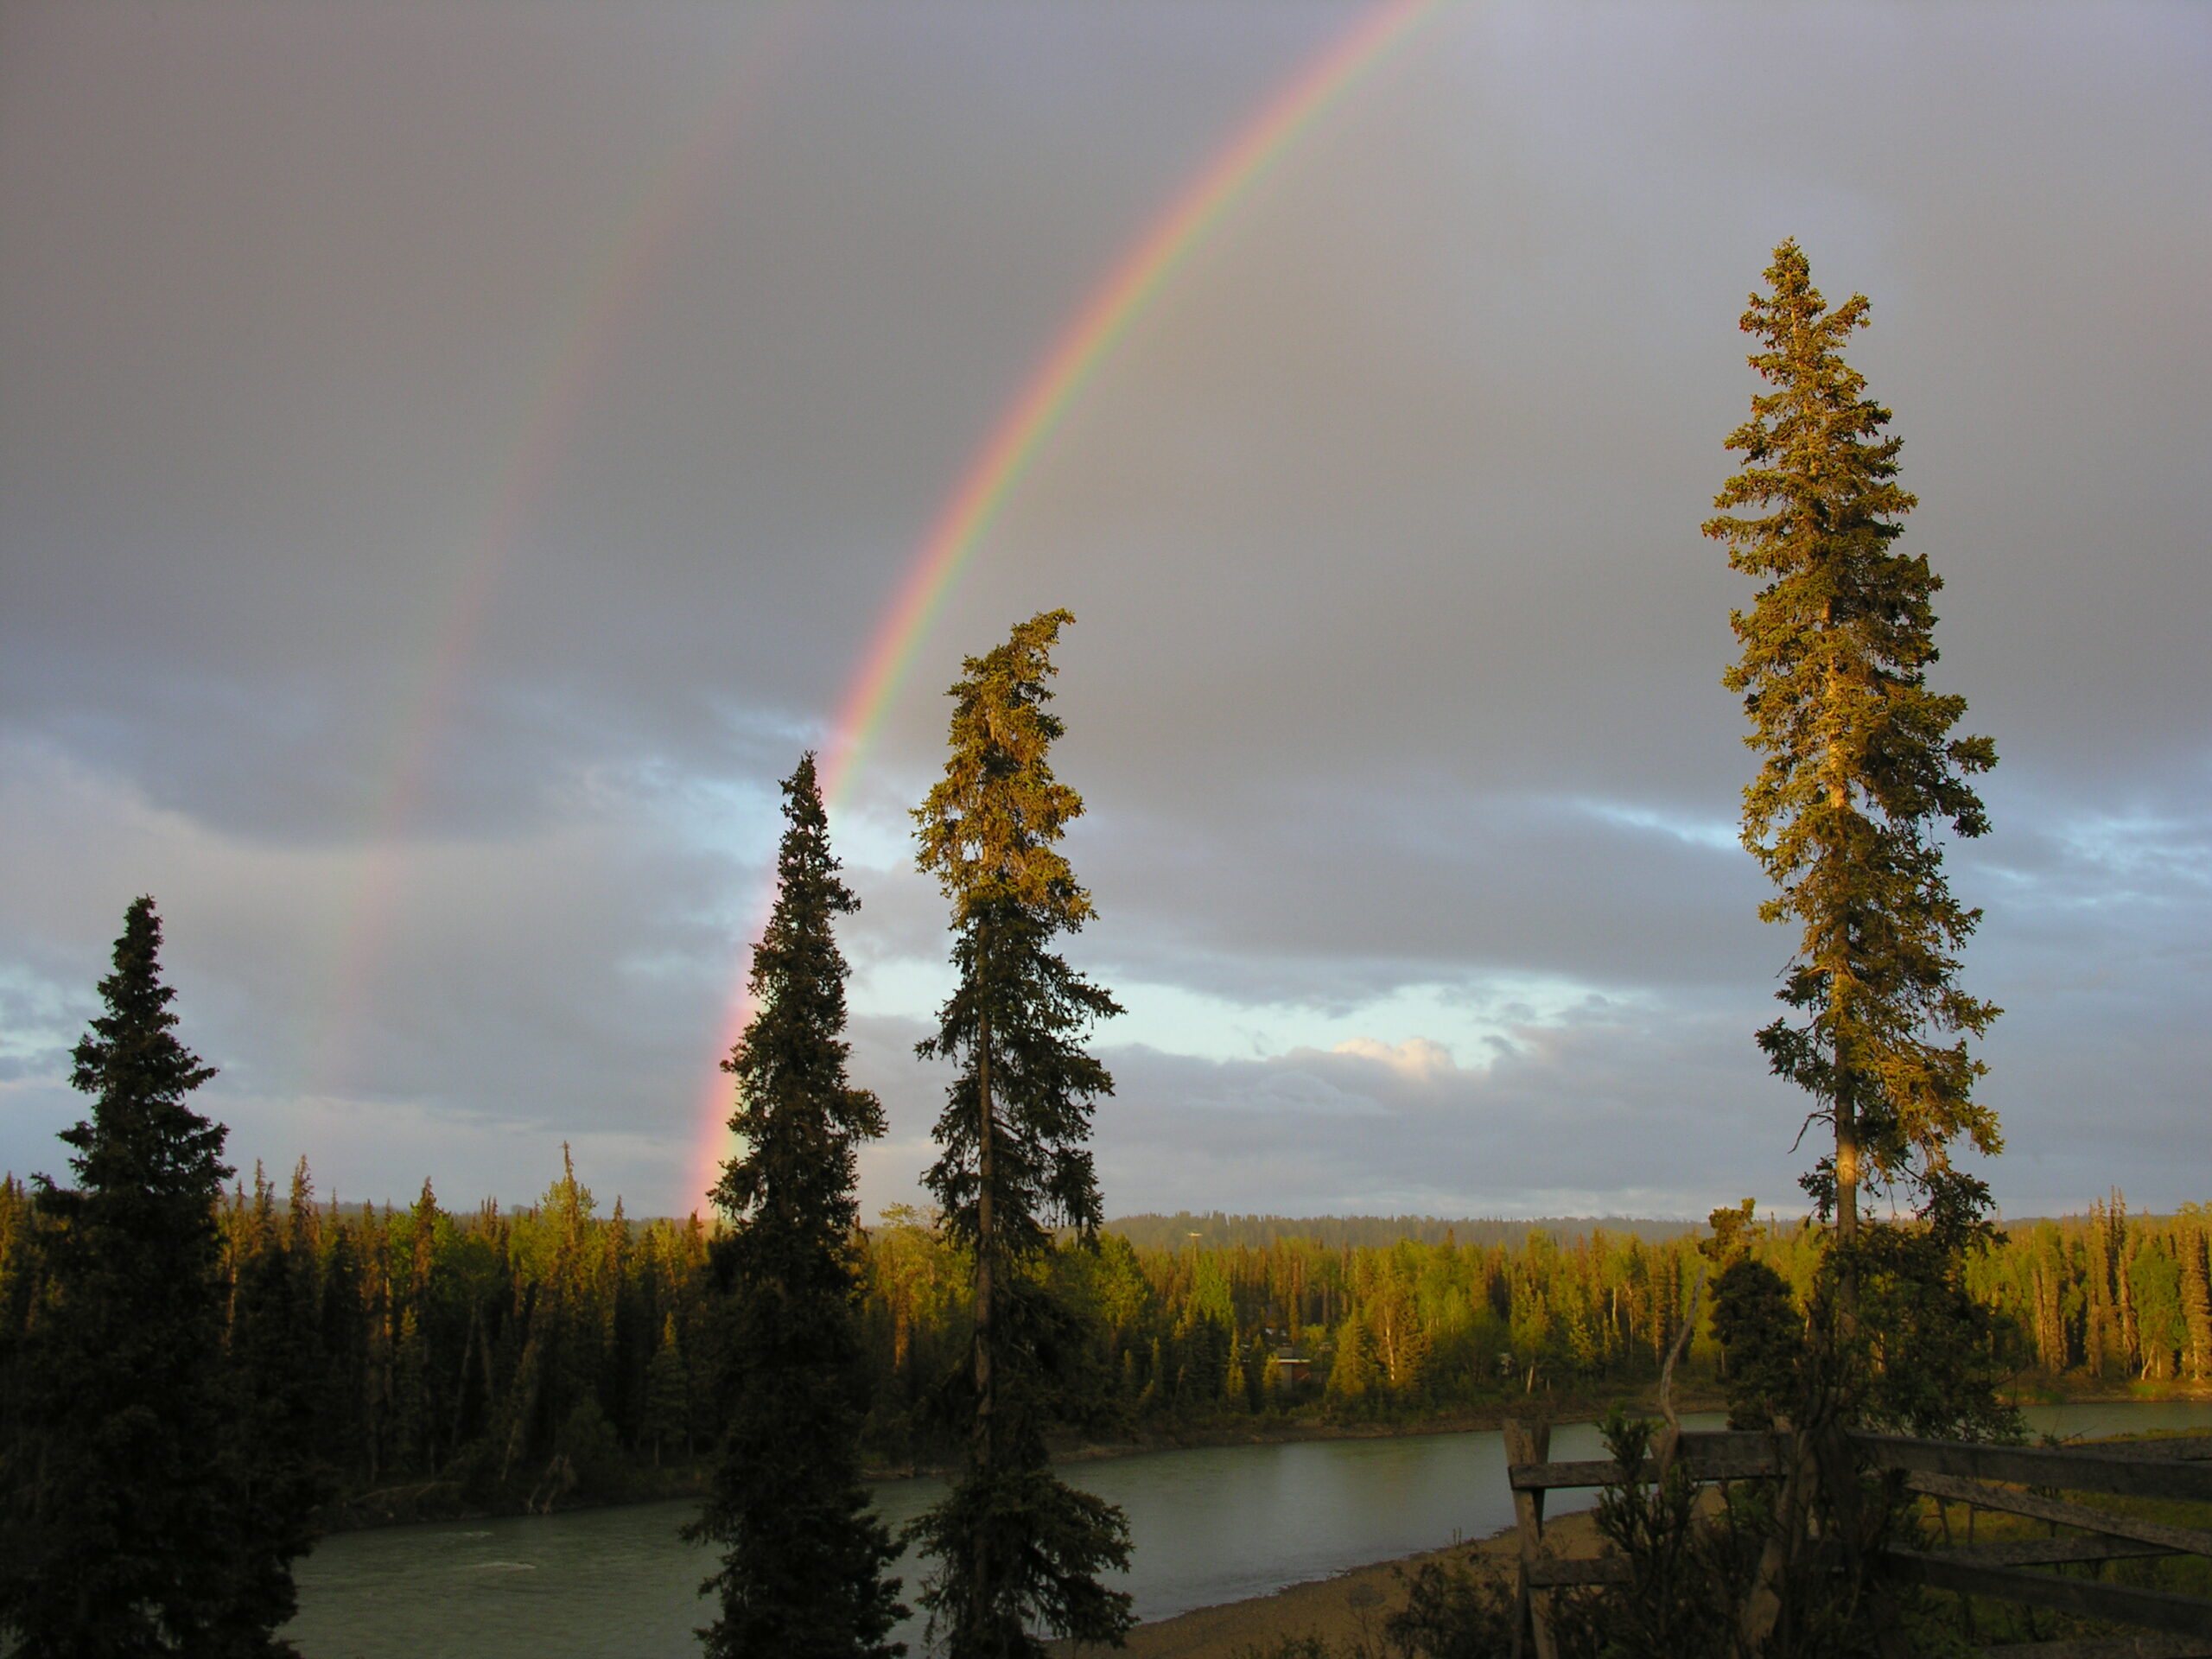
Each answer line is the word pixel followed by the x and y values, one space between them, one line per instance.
pixel 1340 1611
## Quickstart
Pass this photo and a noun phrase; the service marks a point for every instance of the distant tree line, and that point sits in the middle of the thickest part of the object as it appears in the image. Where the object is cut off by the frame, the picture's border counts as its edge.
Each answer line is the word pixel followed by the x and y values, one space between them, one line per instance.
pixel 2109 1296
pixel 1216 1229
pixel 1410 1329
pixel 552 1352
pixel 518 1353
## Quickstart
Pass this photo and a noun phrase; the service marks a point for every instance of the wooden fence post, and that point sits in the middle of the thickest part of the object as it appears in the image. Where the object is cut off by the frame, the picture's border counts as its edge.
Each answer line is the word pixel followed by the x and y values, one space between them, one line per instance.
pixel 1530 1443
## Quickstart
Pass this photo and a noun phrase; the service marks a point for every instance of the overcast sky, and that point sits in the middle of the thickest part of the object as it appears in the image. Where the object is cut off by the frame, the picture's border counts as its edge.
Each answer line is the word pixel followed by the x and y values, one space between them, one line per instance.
pixel 453 458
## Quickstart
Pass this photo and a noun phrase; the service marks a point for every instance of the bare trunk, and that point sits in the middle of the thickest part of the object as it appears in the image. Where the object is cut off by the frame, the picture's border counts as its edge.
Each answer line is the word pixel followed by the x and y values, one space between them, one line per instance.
pixel 1846 1112
pixel 986 1248
pixel 1846 1168
pixel 983 1450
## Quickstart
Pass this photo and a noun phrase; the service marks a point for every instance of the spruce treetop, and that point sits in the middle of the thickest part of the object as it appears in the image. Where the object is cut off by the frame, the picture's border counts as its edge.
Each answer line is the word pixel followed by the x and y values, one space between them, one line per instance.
pixel 797 1114
pixel 1859 764
pixel 141 1140
pixel 987 828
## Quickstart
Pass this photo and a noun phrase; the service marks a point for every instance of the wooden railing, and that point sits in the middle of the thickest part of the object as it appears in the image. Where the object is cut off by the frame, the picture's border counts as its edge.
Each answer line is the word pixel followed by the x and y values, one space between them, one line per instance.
pixel 1985 1477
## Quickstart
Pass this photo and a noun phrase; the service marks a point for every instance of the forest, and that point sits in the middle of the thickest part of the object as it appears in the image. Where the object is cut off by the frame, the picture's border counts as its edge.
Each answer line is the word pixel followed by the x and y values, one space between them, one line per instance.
pixel 562 1352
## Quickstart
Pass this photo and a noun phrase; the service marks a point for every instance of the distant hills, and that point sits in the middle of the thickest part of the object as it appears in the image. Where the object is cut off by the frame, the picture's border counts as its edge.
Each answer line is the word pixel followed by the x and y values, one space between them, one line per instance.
pixel 1218 1230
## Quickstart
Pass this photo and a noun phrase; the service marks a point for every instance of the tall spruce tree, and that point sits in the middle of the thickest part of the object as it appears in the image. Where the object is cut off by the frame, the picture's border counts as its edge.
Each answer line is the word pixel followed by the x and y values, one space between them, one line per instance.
pixel 140 1518
pixel 1859 765
pixel 802 1573
pixel 1017 1550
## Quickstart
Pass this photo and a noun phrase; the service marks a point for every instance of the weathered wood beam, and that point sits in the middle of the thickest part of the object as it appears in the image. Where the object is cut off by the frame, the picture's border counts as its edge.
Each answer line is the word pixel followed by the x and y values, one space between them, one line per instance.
pixel 2083 1471
pixel 2149 1646
pixel 1552 1477
pixel 2181 1449
pixel 2188 1540
pixel 1715 1455
pixel 2049 1552
pixel 1559 1575
pixel 2156 1609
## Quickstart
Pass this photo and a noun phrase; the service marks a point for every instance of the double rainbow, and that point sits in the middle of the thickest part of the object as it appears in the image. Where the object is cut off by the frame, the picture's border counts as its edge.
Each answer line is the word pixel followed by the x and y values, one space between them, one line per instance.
pixel 556 411
pixel 1135 279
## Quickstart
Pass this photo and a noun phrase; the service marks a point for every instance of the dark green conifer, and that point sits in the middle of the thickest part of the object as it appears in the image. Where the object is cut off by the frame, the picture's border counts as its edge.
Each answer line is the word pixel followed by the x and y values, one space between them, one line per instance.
pixel 275 1364
pixel 1017 1550
pixel 138 1518
pixel 802 1570
pixel 1859 765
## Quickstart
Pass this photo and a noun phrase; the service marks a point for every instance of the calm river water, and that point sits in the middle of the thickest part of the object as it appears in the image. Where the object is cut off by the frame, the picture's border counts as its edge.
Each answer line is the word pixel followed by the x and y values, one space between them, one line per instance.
pixel 1208 1526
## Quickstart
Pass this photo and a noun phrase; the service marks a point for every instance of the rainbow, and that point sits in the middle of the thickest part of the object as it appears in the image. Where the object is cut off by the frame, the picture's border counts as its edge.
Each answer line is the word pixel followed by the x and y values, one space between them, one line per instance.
pixel 649 233
pixel 991 476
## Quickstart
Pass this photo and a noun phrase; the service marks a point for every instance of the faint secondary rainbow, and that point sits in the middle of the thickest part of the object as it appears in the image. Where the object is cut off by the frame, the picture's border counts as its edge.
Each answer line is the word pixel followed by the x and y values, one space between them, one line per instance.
pixel 644 239
pixel 1129 287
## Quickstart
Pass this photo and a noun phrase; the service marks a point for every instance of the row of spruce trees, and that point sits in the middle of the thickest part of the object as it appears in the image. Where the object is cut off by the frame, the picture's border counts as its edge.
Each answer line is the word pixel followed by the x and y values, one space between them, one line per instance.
pixel 1014 1550
pixel 183 1384
pixel 165 1384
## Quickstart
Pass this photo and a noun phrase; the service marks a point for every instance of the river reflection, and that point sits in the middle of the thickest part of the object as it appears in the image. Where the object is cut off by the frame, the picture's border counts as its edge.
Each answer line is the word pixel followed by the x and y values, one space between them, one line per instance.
pixel 1209 1526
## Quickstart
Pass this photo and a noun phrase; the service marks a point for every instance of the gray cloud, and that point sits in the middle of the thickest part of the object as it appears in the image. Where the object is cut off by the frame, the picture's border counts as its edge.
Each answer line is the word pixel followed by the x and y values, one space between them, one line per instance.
pixel 1395 691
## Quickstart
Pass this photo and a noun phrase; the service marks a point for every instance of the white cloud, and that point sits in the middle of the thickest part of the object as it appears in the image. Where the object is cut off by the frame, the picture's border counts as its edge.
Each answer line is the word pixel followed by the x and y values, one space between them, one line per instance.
pixel 1416 1058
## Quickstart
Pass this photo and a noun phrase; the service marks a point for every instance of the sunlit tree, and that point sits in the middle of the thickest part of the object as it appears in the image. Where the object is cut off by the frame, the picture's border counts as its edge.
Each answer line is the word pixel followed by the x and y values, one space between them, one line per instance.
pixel 1016 1549
pixel 1858 766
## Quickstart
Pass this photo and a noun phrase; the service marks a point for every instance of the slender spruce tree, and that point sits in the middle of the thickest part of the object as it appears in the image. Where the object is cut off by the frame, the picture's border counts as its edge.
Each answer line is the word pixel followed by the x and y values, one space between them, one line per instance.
pixel 1017 1550
pixel 1859 768
pixel 139 1517
pixel 802 1570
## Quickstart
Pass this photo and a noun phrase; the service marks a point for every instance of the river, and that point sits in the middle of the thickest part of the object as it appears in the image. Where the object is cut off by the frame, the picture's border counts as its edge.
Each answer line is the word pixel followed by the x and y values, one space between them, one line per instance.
pixel 1209 1526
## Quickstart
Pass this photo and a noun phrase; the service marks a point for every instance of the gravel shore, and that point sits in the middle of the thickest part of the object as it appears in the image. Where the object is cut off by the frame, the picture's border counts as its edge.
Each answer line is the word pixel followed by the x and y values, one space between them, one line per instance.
pixel 1340 1609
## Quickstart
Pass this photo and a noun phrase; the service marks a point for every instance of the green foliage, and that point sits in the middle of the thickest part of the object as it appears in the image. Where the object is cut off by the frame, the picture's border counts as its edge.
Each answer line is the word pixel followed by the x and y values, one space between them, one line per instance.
pixel 1017 1548
pixel 1757 1324
pixel 138 1512
pixel 1014 1547
pixel 1014 1023
pixel 1216 1231
pixel 1676 1602
pixel 1923 1357
pixel 802 1570
pixel 1858 763
pixel 1450 1614
pixel 668 1393
pixel 275 1375
pixel 590 1457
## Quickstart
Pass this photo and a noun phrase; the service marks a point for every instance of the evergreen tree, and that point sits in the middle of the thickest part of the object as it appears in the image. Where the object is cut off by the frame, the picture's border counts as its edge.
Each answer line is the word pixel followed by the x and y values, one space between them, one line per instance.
pixel 280 1479
pixel 138 1519
pixel 1016 1548
pixel 802 1574
pixel 1858 768
pixel 668 1393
